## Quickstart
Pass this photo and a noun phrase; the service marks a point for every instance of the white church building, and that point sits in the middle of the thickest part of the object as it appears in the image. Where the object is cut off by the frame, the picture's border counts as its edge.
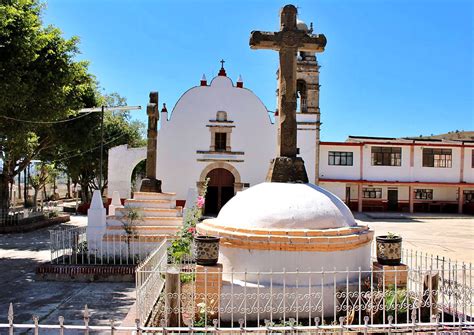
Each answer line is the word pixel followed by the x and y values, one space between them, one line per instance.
pixel 222 131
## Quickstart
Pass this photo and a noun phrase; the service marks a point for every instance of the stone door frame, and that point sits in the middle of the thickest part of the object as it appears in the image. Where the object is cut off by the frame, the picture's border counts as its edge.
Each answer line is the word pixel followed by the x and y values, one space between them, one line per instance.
pixel 238 185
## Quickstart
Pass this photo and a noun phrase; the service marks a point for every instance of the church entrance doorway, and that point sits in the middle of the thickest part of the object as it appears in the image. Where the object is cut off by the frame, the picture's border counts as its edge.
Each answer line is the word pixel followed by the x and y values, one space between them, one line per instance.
pixel 219 190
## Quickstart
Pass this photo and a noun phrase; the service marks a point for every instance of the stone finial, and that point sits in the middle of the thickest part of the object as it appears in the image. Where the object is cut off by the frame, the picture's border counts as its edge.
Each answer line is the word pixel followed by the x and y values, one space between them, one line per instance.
pixel 96 202
pixel 96 220
pixel 222 70
pixel 240 82
pixel 203 80
pixel 164 109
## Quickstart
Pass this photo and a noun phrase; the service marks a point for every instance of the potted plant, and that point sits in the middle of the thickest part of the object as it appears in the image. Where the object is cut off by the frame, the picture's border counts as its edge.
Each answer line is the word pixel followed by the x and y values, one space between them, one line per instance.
pixel 389 249
pixel 206 249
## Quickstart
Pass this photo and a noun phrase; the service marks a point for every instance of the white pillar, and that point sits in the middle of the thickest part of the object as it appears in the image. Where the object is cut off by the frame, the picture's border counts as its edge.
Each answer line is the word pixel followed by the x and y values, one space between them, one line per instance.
pixel 96 223
pixel 116 203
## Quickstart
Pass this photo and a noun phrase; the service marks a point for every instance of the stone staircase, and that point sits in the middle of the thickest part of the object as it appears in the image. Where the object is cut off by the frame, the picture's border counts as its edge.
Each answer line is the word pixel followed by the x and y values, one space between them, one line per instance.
pixel 160 218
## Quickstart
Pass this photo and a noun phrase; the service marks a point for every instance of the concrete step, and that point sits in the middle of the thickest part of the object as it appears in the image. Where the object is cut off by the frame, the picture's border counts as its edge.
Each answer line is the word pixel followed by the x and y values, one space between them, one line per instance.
pixel 154 196
pixel 145 238
pixel 150 203
pixel 154 212
pixel 148 221
pixel 146 230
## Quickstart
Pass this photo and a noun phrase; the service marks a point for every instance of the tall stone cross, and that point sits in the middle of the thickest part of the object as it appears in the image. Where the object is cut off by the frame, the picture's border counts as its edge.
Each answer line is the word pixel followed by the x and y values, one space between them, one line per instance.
pixel 287 167
pixel 150 183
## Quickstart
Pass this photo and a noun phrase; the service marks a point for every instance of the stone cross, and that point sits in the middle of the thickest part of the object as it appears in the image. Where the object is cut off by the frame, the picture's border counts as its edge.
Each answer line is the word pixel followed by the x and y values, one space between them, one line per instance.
pixel 150 183
pixel 288 41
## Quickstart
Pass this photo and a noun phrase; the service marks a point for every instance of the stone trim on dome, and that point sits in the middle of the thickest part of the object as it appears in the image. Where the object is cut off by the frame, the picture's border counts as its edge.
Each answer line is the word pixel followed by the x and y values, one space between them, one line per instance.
pixel 339 239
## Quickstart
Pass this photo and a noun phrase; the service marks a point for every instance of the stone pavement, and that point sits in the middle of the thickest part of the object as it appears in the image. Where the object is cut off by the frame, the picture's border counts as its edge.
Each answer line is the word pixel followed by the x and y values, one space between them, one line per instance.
pixel 19 256
pixel 450 236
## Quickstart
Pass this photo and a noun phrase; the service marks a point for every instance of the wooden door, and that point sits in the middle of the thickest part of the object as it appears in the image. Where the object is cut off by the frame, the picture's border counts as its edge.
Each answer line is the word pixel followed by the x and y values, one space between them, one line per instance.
pixel 220 189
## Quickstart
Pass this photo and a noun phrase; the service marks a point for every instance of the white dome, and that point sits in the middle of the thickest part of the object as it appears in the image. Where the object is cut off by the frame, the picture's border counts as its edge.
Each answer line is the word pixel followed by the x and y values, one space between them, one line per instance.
pixel 285 206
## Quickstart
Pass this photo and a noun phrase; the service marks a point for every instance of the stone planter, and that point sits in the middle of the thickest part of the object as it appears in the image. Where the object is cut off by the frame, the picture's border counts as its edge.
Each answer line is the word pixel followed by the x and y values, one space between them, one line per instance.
pixel 389 250
pixel 206 249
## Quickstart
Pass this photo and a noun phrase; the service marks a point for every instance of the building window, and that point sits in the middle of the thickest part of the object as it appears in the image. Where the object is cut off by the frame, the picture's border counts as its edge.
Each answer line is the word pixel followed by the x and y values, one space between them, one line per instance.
pixel 423 194
pixel 372 193
pixel 468 196
pixel 221 141
pixel 440 158
pixel 221 116
pixel 387 156
pixel 340 158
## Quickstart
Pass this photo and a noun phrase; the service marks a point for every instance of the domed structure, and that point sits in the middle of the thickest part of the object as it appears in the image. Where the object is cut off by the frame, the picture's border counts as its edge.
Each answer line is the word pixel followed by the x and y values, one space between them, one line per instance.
pixel 274 226
pixel 286 206
pixel 279 237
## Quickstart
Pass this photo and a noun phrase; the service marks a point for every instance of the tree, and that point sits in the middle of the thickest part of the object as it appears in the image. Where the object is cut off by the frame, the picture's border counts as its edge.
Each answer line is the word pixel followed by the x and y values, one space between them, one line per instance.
pixel 39 180
pixel 40 83
pixel 79 155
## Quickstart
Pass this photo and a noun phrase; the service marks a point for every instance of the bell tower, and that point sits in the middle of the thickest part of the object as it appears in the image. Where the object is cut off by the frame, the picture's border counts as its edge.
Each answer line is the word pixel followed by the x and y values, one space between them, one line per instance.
pixel 308 114
pixel 307 83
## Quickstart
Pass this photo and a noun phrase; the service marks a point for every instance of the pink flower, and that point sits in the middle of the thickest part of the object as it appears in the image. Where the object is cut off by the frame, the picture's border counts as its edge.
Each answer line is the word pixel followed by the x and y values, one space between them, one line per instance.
pixel 200 201
pixel 191 230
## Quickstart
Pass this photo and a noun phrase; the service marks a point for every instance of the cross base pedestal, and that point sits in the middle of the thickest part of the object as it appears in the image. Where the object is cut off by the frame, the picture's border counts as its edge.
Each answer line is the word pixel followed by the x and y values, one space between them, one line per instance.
pixel 150 185
pixel 287 170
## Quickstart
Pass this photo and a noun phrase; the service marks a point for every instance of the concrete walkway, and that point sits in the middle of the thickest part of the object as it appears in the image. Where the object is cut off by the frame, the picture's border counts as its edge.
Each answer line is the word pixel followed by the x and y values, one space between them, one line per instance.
pixel 19 256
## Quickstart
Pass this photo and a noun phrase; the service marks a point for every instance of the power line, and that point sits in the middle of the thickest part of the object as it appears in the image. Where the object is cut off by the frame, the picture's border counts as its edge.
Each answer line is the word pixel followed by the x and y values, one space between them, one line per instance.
pixel 89 150
pixel 44 122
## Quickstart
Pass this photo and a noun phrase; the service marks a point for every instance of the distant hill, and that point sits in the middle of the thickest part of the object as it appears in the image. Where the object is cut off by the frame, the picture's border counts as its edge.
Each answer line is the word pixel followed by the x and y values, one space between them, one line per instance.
pixel 452 135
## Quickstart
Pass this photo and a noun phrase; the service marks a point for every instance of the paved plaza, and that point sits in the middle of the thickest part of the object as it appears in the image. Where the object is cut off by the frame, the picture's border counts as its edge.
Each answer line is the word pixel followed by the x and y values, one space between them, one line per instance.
pixel 19 256
pixel 444 235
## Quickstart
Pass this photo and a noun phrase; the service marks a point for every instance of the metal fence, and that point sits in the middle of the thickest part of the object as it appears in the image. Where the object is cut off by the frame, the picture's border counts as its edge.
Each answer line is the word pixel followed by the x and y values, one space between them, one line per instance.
pixel 148 284
pixel 70 246
pixel 14 217
pixel 439 291
pixel 414 327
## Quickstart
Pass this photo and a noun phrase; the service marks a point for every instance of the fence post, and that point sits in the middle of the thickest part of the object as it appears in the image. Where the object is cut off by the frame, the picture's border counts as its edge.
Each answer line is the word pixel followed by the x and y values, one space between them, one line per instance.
pixel 10 318
pixel 172 296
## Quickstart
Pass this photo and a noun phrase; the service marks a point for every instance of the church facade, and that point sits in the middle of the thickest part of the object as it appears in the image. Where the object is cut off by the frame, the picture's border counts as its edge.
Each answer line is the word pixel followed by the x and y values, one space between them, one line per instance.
pixel 221 131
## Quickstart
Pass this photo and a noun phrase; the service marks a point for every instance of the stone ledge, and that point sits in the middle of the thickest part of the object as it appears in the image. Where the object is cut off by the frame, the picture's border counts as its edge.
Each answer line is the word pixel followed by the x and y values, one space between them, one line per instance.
pixel 86 273
pixel 35 225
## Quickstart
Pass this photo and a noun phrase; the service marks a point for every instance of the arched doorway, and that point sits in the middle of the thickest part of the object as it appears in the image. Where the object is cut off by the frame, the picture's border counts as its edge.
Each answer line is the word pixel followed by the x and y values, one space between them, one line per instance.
pixel 220 189
pixel 138 173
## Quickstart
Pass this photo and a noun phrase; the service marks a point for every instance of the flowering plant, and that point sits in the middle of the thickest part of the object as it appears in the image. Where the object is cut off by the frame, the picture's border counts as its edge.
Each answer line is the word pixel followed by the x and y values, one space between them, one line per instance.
pixel 181 246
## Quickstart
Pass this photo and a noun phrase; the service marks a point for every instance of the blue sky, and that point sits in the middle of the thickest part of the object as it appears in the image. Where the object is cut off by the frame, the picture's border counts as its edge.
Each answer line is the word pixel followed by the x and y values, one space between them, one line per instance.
pixel 391 67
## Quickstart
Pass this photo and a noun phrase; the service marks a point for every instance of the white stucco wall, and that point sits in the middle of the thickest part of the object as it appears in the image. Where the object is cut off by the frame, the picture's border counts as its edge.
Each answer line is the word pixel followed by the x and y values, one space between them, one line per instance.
pixel 451 174
pixel 339 171
pixel 186 132
pixel 468 166
pixel 122 161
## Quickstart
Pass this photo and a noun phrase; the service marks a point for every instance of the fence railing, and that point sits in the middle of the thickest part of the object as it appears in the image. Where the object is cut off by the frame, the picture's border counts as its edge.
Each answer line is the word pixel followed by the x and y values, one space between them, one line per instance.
pixel 148 284
pixel 70 246
pixel 436 327
pixel 440 290
pixel 14 217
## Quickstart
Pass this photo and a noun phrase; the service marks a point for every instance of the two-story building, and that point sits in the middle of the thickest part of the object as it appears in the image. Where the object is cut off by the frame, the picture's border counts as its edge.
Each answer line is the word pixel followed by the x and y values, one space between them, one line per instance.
pixel 407 174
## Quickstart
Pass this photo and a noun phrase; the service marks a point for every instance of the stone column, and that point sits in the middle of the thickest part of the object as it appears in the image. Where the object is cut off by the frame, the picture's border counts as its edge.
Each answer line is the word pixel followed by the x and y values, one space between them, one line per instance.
pixel 410 199
pixel 208 290
pixel 460 199
pixel 150 183
pixel 359 198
